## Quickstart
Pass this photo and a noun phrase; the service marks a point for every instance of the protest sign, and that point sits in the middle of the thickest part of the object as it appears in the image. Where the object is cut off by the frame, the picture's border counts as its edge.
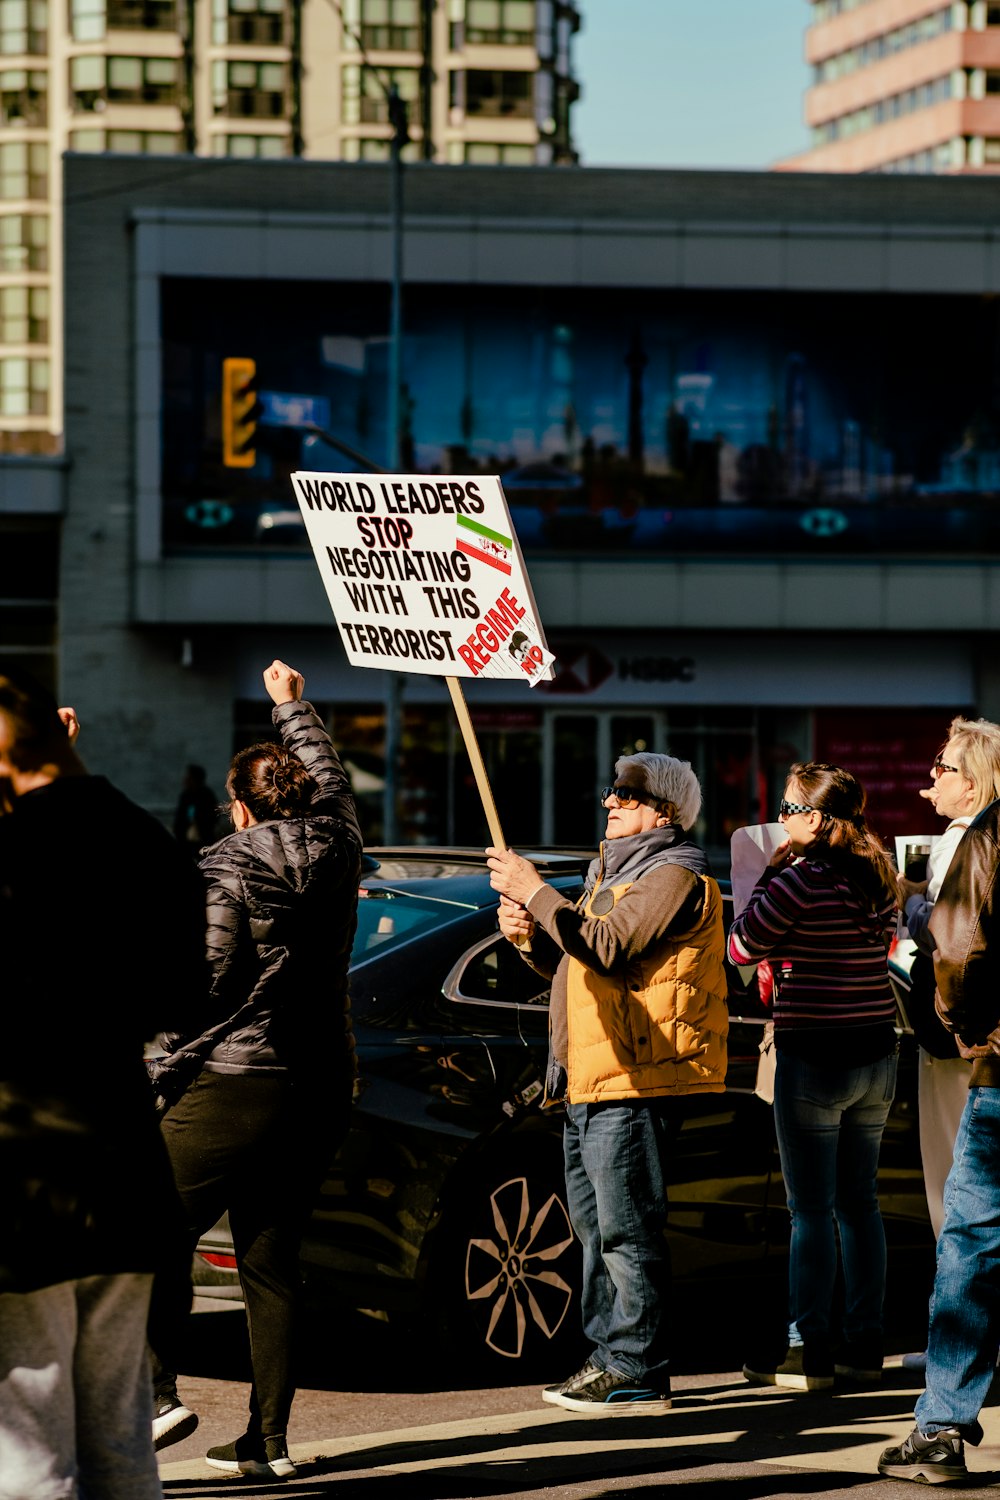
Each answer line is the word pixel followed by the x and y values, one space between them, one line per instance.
pixel 424 574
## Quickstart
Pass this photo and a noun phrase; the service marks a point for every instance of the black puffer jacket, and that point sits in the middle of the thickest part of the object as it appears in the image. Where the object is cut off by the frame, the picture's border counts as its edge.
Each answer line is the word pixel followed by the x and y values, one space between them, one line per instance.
pixel 282 911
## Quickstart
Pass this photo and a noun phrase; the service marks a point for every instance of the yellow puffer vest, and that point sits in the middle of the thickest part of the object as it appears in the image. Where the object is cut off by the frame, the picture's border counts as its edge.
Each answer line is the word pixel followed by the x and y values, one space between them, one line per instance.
pixel 659 1025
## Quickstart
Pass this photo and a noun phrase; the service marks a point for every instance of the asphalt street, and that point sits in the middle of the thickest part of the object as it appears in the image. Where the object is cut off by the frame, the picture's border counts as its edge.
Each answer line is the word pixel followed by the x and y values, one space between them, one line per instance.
pixel 375 1417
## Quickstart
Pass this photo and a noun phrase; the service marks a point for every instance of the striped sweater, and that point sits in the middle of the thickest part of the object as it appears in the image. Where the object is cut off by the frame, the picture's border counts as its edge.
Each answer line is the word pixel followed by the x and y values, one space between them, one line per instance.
pixel 826 946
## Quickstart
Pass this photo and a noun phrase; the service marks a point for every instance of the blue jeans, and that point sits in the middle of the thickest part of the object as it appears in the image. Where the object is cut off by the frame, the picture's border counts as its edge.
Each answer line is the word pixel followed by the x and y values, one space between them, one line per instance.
pixel 616 1168
pixel 829 1123
pixel 965 1302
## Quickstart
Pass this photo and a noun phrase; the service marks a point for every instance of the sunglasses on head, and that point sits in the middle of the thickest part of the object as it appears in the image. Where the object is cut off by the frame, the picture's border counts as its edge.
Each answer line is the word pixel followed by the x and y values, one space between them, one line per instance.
pixel 628 797
pixel 939 767
pixel 786 808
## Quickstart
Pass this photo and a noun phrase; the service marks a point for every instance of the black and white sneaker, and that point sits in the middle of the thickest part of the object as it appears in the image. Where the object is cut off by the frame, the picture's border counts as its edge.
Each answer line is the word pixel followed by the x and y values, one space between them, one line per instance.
pixel 266 1460
pixel 927 1457
pixel 611 1394
pixel 172 1421
pixel 582 1377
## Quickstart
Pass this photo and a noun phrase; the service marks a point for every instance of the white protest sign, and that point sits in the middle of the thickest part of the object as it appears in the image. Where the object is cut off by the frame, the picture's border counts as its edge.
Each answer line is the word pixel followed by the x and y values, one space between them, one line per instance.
pixel 424 574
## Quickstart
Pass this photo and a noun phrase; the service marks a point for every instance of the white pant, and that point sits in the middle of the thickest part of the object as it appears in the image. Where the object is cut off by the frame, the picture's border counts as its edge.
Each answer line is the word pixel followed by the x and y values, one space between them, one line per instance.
pixel 942 1089
pixel 75 1403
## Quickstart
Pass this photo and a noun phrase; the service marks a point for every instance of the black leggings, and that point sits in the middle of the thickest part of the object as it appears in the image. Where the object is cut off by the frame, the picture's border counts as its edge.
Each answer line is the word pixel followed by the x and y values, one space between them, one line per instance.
pixel 259 1147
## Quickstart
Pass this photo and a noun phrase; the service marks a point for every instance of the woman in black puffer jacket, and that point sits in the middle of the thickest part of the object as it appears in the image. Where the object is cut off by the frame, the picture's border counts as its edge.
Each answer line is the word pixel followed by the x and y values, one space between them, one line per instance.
pixel 256 1131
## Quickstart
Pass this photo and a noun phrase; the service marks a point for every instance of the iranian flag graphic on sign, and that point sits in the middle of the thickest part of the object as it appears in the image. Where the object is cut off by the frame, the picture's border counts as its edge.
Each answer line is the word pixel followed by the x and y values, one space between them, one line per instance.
pixel 487 546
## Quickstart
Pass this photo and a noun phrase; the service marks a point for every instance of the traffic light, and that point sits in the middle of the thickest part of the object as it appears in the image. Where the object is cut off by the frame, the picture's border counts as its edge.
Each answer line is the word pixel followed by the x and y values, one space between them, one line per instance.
pixel 239 413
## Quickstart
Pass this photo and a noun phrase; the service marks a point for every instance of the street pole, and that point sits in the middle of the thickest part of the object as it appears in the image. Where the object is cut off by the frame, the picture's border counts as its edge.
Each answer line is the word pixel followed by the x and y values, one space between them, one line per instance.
pixel 394 684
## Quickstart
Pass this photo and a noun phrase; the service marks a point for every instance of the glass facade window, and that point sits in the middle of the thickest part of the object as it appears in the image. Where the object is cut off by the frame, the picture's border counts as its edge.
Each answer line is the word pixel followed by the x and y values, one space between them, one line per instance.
pixel 141 15
pixel 256 23
pixel 24 242
pixel 375 148
pixel 390 25
pixel 24 315
pixel 925 29
pixel 363 100
pixel 509 23
pixel 249 90
pixel 897 105
pixel 127 142
pixel 731 422
pixel 24 169
pixel 24 96
pixel 484 153
pixel 88 20
pixel 24 387
pixel 251 146
pixel 492 95
pixel 24 26
pixel 96 81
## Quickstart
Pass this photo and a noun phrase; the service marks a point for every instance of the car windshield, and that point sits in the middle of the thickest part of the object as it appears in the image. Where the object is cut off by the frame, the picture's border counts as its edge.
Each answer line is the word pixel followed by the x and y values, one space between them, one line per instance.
pixel 388 918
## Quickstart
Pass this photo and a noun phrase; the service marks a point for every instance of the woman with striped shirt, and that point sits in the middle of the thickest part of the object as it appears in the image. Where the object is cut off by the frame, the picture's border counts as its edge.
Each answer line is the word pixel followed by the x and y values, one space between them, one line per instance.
pixel 822 916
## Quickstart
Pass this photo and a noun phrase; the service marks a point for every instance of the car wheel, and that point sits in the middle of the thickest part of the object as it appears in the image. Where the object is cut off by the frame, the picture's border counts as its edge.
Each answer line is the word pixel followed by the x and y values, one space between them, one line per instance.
pixel 504 1277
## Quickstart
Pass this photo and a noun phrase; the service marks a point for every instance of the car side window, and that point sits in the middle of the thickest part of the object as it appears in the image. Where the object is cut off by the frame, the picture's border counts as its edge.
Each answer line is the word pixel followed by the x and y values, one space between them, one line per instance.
pixel 494 973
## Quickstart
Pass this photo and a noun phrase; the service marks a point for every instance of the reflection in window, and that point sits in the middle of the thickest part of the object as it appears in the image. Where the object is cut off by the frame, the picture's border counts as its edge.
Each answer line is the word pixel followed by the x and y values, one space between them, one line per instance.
pixel 23 96
pixel 249 90
pixel 258 23
pixel 24 169
pixel 364 97
pixel 127 142
pixel 24 314
pixel 24 26
pixel 497 973
pixel 24 242
pixel 141 15
pixel 24 387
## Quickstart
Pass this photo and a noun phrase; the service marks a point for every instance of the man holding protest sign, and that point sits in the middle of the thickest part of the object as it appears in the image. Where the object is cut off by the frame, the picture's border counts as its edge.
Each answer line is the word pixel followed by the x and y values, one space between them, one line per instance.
pixel 638 1021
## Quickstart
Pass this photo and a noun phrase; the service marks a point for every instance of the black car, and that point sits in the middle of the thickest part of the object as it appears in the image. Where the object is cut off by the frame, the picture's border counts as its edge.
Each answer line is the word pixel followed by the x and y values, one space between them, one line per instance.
pixel 447 1205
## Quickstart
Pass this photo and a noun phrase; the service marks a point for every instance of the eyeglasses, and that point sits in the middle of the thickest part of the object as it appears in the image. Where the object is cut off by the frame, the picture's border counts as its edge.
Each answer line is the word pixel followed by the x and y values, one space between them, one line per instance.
pixel 939 767
pixel 627 797
pixel 785 809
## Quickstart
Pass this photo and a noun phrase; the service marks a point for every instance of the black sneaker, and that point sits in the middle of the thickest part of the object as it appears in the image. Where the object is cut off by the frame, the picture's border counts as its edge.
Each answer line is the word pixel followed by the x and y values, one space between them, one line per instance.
pixel 609 1393
pixel 172 1421
pixel 589 1372
pixel 800 1370
pixel 927 1457
pixel 861 1361
pixel 267 1460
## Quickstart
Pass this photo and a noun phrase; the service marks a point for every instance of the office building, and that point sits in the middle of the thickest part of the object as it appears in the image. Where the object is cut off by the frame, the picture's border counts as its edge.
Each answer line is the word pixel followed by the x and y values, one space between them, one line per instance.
pixel 483 81
pixel 902 86
pixel 754 489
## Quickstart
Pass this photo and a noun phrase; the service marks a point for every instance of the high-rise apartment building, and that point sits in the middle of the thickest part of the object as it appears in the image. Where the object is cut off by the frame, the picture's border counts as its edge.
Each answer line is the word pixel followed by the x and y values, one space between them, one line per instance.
pixel 902 86
pixel 483 80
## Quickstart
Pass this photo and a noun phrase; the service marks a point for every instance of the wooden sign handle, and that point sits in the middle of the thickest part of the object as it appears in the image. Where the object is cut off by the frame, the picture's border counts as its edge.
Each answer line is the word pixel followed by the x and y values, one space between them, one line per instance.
pixel 478 767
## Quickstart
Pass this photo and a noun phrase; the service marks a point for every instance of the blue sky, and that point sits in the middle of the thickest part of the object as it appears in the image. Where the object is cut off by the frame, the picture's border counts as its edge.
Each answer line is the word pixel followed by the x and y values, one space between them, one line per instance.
pixel 690 83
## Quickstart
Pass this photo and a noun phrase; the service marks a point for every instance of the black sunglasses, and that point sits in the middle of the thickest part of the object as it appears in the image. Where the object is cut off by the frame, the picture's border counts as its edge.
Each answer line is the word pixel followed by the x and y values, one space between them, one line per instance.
pixel 939 767
pixel 785 808
pixel 628 797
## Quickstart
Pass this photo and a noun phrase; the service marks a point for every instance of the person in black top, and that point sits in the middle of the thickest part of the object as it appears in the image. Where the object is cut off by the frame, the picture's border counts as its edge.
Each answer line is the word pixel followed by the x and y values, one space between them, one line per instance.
pixel 102 927
pixel 256 1131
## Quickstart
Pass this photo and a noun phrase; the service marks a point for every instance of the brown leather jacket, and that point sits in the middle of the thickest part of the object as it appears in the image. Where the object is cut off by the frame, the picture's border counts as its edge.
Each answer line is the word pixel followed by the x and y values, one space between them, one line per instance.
pixel 965 928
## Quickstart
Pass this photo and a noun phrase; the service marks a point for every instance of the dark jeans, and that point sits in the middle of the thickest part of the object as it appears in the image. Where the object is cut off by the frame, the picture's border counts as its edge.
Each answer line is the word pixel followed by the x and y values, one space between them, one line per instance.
pixel 965 1302
pixel 829 1123
pixel 257 1147
pixel 616 1173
